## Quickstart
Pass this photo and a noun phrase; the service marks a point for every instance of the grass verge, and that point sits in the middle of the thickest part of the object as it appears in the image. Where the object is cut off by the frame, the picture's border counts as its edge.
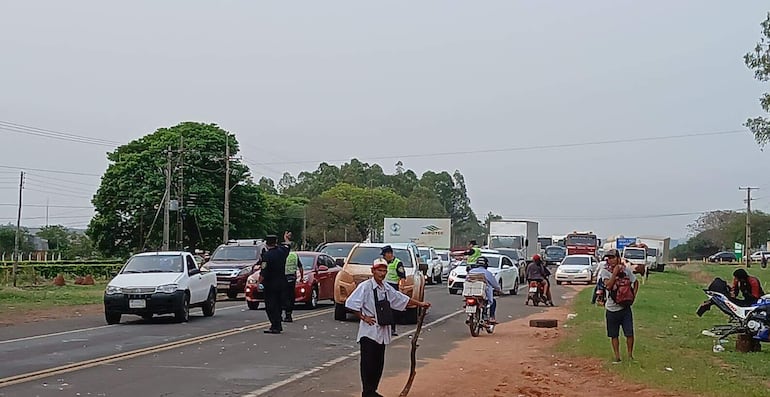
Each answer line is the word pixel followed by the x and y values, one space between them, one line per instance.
pixel 43 297
pixel 670 352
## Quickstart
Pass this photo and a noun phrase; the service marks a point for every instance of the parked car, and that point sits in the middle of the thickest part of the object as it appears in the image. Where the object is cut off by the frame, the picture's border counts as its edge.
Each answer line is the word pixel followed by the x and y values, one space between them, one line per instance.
pixel 431 258
pixel 576 268
pixel 357 268
pixel 722 256
pixel 168 282
pixel 338 251
pixel 501 266
pixel 315 281
pixel 757 256
pixel 233 263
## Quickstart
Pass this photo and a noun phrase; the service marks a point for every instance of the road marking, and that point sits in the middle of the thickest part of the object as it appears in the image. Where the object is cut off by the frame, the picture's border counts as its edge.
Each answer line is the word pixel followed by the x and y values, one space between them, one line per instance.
pixel 44 373
pixel 335 361
pixel 72 331
pixel 340 359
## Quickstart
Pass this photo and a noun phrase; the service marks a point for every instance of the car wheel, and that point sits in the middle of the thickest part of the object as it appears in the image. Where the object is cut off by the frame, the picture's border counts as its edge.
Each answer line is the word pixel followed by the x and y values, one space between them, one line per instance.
pixel 112 317
pixel 438 278
pixel 313 302
pixel 558 282
pixel 211 303
pixel 253 305
pixel 515 290
pixel 182 315
pixel 340 313
pixel 232 294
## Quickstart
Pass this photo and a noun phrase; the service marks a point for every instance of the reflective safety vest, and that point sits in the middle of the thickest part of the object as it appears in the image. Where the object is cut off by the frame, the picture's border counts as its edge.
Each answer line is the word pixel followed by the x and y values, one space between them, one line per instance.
pixel 291 263
pixel 474 256
pixel 392 276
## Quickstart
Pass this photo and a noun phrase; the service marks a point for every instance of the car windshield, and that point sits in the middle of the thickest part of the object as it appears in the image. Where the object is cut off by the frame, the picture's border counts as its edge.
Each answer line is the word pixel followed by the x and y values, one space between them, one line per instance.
pixel 633 254
pixel 235 253
pixel 588 240
pixel 444 257
pixel 154 264
pixel 307 261
pixel 555 251
pixel 425 252
pixel 494 262
pixel 544 241
pixel 337 250
pixel 576 260
pixel 652 252
pixel 367 255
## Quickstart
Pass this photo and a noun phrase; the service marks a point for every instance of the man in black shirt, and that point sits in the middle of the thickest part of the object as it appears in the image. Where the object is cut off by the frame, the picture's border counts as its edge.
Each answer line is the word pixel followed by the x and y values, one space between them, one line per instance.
pixel 272 277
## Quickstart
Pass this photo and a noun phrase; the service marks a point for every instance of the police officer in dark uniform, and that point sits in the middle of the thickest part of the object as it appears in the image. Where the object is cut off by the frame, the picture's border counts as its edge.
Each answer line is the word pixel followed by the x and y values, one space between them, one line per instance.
pixel 272 277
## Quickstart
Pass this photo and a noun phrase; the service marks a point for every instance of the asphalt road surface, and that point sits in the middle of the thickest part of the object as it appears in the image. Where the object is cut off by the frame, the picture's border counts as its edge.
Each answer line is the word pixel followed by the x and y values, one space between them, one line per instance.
pixel 224 355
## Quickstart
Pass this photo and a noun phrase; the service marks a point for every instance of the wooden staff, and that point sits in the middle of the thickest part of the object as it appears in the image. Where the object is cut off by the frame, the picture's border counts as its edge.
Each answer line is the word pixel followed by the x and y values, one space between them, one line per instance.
pixel 415 338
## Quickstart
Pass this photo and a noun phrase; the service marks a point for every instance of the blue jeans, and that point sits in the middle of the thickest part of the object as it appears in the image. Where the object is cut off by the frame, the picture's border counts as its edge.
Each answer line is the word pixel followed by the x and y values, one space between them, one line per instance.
pixel 493 308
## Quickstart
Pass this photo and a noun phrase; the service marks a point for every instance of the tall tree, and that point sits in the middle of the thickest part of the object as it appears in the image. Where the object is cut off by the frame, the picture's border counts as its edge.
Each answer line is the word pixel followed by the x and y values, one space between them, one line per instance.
pixel 267 185
pixel 759 62
pixel 423 203
pixel 131 193
pixel 286 182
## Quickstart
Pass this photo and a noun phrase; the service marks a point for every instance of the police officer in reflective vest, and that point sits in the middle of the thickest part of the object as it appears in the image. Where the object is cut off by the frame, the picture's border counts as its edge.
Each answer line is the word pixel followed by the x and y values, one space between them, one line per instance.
pixel 292 265
pixel 473 252
pixel 395 274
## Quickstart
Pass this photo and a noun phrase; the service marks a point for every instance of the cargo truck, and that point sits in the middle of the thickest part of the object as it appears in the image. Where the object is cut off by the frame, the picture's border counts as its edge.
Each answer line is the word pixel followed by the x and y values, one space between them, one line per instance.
pixel 516 234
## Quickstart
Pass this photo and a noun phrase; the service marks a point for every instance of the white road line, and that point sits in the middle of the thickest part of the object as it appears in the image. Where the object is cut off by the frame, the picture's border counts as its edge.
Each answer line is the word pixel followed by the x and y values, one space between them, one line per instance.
pixel 72 331
pixel 335 361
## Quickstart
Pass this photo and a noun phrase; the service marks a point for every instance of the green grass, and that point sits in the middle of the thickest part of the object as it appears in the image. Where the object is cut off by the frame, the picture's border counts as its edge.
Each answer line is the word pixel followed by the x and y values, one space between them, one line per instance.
pixel 668 335
pixel 39 297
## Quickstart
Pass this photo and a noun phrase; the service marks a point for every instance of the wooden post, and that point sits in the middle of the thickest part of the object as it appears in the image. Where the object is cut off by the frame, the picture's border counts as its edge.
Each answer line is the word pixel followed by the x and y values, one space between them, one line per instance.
pixel 746 344
pixel 415 337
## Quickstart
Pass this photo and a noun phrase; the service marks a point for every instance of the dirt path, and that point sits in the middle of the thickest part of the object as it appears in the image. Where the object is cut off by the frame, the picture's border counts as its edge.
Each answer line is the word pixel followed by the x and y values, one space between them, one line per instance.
pixel 517 361
pixel 13 316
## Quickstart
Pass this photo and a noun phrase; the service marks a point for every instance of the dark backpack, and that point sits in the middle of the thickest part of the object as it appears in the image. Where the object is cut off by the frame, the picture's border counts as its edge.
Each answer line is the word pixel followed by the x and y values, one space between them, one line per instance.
pixel 622 291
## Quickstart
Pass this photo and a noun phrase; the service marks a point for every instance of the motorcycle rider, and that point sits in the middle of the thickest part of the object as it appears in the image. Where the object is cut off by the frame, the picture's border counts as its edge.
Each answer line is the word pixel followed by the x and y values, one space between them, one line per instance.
pixel 748 286
pixel 537 271
pixel 480 267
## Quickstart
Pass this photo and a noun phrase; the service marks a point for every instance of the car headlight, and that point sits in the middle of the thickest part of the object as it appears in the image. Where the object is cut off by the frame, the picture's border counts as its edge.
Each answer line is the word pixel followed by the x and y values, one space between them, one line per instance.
pixel 586 271
pixel 251 280
pixel 166 289
pixel 112 290
pixel 245 271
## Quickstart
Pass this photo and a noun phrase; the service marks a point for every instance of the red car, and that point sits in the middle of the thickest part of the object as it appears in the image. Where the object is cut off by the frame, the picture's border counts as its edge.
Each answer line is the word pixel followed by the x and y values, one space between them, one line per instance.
pixel 315 281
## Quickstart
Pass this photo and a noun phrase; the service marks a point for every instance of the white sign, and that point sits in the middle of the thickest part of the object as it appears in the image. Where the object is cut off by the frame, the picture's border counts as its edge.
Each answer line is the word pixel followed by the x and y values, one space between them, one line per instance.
pixel 429 232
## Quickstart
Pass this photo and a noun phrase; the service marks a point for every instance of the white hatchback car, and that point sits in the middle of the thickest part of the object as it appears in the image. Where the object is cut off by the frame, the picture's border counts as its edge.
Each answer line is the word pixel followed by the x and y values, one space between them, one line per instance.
pixel 576 268
pixel 500 266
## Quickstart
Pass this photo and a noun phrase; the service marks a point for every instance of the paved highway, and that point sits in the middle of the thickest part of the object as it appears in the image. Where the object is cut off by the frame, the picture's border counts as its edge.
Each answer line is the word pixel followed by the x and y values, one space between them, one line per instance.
pixel 225 355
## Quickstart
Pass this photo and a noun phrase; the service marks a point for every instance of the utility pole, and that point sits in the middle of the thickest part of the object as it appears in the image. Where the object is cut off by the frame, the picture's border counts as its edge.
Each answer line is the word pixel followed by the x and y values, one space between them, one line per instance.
pixel 304 227
pixel 18 231
pixel 180 207
pixel 747 248
pixel 226 226
pixel 167 200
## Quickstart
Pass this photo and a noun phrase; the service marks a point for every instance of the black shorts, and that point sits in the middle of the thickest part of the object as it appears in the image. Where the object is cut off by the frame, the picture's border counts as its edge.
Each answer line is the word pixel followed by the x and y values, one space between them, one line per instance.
pixel 615 320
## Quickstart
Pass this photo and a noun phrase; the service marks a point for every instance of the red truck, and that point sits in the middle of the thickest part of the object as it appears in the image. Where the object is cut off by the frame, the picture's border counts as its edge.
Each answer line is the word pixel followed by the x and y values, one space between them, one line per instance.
pixel 581 243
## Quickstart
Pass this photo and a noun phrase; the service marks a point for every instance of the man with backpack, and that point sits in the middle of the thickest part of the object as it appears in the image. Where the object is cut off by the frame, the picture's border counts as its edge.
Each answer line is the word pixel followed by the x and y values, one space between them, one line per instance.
pixel 621 286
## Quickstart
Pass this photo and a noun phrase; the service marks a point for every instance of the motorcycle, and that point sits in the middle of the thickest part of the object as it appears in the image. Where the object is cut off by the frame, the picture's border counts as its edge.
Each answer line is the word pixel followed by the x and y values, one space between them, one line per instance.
pixel 749 320
pixel 476 307
pixel 536 294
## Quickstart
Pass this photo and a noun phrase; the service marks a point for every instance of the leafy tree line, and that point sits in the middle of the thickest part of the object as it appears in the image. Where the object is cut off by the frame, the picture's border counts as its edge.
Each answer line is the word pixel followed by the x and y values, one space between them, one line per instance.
pixel 331 203
pixel 720 230
pixel 61 242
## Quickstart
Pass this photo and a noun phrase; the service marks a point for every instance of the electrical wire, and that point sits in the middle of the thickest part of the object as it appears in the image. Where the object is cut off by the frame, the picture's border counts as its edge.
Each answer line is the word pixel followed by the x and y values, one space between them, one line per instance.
pixel 51 134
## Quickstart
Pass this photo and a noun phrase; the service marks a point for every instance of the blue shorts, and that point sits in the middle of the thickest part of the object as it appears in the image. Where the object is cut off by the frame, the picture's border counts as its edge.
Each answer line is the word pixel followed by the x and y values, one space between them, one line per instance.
pixel 615 320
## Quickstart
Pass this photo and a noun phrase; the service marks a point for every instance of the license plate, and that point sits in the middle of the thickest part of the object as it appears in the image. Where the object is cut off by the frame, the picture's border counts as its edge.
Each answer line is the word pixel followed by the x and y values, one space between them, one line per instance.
pixel 470 309
pixel 223 284
pixel 533 289
pixel 137 303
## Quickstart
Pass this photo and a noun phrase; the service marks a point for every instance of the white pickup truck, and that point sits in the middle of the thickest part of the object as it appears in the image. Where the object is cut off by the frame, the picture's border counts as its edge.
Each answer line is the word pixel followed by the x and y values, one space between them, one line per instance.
pixel 168 282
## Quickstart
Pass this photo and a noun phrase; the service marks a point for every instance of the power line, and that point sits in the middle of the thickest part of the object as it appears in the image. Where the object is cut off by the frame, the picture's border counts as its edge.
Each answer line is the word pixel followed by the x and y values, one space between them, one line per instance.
pixel 57 179
pixel 608 218
pixel 521 148
pixel 46 170
pixel 44 205
pixel 46 133
pixel 58 193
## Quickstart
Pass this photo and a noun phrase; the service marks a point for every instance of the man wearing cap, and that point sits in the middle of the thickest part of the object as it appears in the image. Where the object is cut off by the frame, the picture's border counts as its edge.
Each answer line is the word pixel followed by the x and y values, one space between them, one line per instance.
pixel 372 336
pixel 395 274
pixel 617 316
pixel 272 276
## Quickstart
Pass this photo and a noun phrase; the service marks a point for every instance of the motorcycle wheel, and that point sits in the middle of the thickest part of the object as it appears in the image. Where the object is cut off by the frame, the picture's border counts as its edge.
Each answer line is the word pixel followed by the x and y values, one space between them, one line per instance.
pixel 475 323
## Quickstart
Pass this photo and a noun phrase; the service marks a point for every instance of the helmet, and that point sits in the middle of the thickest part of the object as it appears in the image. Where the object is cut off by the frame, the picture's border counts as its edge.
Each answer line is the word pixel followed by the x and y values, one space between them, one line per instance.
pixel 482 261
pixel 536 258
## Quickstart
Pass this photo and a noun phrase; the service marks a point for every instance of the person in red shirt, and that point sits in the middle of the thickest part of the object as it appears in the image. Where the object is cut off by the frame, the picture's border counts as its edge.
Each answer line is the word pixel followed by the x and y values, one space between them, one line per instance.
pixel 748 286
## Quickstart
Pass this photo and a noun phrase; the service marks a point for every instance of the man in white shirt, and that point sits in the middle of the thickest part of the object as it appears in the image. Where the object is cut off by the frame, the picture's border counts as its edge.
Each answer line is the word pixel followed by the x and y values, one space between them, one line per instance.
pixel 373 336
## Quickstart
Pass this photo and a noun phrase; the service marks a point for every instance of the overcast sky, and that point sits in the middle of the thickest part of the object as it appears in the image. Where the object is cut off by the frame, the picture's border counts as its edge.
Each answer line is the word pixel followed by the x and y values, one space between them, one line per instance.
pixel 346 79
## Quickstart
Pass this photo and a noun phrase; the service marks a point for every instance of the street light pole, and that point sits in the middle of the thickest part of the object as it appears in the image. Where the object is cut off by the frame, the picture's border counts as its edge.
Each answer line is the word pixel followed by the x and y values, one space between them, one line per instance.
pixel 226 226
